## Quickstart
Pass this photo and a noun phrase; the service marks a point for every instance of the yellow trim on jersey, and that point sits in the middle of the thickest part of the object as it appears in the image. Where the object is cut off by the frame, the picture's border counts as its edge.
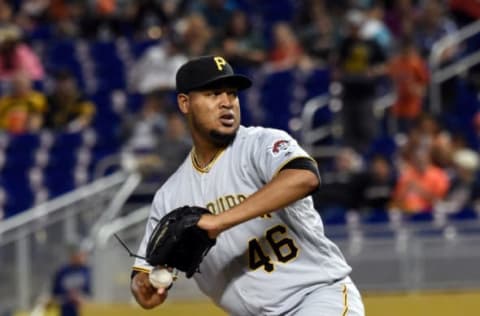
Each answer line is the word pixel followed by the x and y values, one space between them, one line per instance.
pixel 141 269
pixel 207 168
pixel 289 160
pixel 345 300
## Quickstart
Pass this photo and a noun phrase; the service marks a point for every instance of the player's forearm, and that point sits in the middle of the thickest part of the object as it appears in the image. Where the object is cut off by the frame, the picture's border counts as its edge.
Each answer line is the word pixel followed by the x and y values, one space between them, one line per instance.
pixel 287 187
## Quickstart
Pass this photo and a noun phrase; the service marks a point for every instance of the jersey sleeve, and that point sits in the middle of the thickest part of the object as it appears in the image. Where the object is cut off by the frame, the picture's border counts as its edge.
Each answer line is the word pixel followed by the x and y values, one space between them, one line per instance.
pixel 273 150
pixel 157 211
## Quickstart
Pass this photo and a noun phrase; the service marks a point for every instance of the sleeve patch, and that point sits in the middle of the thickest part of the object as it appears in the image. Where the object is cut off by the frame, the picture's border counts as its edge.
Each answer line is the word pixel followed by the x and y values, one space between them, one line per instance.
pixel 279 146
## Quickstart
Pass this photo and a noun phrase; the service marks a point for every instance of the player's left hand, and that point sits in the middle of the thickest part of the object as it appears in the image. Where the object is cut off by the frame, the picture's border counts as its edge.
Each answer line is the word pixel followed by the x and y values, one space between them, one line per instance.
pixel 211 224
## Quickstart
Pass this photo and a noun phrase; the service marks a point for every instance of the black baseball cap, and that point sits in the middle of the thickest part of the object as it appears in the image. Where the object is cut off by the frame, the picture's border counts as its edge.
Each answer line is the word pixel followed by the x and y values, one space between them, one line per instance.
pixel 209 72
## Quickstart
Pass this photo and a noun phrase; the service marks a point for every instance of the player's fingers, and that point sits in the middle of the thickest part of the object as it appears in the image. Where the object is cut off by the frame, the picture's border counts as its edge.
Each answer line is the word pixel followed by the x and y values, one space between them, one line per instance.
pixel 150 299
pixel 145 288
pixel 157 299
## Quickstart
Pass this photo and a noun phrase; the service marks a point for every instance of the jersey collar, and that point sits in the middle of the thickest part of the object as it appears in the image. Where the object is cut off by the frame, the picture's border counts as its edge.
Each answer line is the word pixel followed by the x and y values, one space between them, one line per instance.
pixel 209 166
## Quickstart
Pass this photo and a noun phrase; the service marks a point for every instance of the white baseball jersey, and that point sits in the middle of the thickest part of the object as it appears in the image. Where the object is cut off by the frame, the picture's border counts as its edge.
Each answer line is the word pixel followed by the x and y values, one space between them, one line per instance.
pixel 264 266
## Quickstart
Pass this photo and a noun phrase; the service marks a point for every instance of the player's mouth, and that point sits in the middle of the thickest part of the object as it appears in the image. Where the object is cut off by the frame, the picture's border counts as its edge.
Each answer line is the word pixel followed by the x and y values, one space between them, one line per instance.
pixel 227 119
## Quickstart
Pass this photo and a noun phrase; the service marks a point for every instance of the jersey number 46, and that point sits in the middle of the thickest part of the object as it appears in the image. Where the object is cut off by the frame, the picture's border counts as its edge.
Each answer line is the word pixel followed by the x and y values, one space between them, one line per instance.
pixel 283 247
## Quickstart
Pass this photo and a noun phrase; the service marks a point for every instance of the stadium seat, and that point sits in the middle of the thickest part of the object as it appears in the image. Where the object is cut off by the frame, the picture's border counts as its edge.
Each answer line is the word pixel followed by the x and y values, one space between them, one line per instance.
pixel 19 195
pixel 466 213
pixel 317 83
pixel 20 151
pixel 334 216
pixel 58 181
pixel 375 217
pixel 422 217
pixel 276 97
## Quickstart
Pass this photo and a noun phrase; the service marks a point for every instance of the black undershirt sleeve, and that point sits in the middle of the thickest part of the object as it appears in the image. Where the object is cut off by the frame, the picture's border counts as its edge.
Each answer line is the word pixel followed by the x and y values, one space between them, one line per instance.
pixel 304 164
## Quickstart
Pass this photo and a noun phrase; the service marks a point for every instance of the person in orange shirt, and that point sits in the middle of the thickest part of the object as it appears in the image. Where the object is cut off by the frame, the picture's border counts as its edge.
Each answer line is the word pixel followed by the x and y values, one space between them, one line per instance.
pixel 409 74
pixel 420 184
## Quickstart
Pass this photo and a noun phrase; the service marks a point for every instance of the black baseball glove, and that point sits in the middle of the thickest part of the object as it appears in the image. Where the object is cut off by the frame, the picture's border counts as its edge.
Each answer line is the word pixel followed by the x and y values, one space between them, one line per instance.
pixel 177 241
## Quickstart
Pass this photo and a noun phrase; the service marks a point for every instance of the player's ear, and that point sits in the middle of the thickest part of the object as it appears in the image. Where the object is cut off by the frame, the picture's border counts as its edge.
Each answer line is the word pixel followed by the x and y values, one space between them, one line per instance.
pixel 183 104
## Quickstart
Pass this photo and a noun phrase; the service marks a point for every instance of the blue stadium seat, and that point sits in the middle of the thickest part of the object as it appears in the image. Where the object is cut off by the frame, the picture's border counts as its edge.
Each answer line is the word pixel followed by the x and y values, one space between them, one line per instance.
pixel 63 160
pixel 317 83
pixel 17 188
pixel 375 217
pixel 134 102
pixel 276 97
pixel 20 151
pixel 334 216
pixel 139 47
pixel 466 213
pixel 422 217
pixel 384 146
pixel 18 200
pixel 58 181
pixel 103 51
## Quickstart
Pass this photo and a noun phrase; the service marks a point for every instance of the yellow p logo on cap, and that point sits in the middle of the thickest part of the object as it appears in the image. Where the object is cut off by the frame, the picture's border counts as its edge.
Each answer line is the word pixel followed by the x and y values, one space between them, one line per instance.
pixel 220 62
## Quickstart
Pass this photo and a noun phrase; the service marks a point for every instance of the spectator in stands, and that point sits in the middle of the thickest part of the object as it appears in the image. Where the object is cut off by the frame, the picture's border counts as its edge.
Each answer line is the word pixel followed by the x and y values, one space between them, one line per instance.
pixel 427 134
pixel 400 16
pixel 420 185
pixel 241 44
pixel 374 28
pixel 409 75
pixel 68 109
pixel 286 50
pixel 154 13
pixel 171 148
pixel 372 190
pixel 336 194
pixel 21 111
pixel 433 25
pixel 316 30
pixel 142 131
pixel 217 13
pixel 6 14
pixel 32 14
pixel 72 283
pixel 153 71
pixel 464 192
pixel 197 37
pixel 16 56
pixel 464 11
pixel 358 65
pixel 158 143
pixel 68 17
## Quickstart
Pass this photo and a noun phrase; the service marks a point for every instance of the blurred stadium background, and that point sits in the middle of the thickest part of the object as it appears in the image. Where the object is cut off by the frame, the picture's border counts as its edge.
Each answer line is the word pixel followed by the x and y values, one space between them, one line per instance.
pixel 79 169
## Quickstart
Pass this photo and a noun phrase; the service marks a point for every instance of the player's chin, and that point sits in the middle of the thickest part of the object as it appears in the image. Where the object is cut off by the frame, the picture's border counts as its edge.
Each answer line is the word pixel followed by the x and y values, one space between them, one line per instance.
pixel 223 137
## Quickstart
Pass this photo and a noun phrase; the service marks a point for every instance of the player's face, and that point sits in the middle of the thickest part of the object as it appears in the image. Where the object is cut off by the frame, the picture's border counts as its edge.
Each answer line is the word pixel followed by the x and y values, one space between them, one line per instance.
pixel 214 114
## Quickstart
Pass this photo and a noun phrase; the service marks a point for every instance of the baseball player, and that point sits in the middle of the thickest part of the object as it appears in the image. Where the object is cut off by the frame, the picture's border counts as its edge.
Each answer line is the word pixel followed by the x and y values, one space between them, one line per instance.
pixel 271 256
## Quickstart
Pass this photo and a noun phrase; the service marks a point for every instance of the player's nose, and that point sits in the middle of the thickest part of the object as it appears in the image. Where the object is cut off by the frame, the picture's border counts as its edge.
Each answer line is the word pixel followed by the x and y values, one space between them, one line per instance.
pixel 225 100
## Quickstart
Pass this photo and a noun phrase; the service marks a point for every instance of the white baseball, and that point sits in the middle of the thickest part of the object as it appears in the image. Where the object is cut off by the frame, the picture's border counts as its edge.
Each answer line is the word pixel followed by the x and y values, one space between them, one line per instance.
pixel 160 278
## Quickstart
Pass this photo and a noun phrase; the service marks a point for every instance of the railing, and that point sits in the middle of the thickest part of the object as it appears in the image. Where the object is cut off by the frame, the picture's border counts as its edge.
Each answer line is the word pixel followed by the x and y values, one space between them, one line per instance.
pixel 32 244
pixel 311 134
pixel 440 75
pixel 114 208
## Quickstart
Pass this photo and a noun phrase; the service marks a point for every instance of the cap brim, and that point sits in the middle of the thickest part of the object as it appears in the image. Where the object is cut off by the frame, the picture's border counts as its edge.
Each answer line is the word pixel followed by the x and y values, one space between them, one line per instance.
pixel 239 82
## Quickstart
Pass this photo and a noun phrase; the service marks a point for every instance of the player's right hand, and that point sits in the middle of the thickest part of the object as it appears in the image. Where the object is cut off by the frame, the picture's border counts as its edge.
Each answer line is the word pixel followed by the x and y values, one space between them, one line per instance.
pixel 146 295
